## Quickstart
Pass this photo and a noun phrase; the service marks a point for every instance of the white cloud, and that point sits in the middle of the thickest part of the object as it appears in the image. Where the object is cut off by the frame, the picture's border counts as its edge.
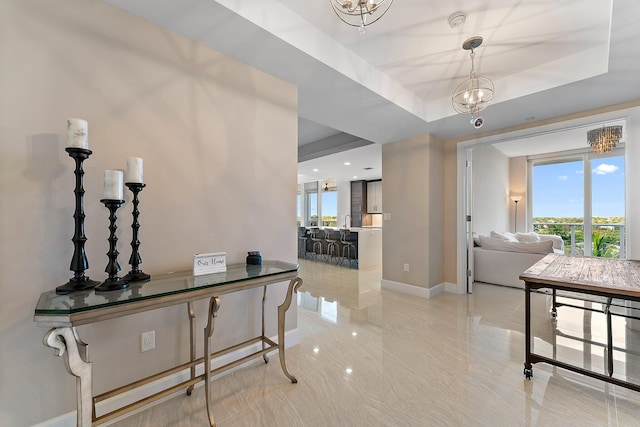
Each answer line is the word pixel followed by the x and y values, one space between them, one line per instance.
pixel 604 169
pixel 563 177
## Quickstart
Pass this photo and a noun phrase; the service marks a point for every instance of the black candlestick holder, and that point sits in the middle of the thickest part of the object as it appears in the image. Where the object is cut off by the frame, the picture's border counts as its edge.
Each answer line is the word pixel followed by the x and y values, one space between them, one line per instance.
pixel 113 283
pixel 79 263
pixel 135 275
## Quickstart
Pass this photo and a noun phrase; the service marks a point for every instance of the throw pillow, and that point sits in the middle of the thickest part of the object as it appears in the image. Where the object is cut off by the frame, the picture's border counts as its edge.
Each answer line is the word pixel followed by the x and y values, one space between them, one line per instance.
pixel 558 243
pixel 543 247
pixel 506 236
pixel 531 237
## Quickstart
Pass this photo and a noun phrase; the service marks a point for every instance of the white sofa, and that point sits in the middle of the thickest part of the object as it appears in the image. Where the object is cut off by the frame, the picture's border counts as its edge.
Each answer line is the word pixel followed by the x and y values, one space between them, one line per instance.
pixel 500 258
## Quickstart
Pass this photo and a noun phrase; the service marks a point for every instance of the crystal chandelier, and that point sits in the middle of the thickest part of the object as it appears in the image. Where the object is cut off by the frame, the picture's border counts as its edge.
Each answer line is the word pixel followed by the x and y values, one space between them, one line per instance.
pixel 473 95
pixel 604 140
pixel 360 13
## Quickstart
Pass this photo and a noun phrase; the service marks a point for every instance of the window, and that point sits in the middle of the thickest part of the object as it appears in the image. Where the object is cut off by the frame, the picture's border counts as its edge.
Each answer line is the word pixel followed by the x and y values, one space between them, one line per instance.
pixel 329 206
pixel 311 198
pixel 580 197
pixel 299 202
pixel 607 206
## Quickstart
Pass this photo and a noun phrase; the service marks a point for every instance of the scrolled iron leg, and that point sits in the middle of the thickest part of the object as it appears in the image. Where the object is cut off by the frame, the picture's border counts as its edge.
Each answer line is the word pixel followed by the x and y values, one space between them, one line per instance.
pixel 67 343
pixel 214 305
pixel 282 309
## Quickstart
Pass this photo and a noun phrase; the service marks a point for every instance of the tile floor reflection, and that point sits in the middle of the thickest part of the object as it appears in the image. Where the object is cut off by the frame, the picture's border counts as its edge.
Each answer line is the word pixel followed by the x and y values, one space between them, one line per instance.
pixel 378 358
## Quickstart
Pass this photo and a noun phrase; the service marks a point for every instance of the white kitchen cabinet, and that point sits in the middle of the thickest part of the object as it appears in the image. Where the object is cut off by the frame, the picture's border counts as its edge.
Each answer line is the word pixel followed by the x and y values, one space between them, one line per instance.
pixel 374 197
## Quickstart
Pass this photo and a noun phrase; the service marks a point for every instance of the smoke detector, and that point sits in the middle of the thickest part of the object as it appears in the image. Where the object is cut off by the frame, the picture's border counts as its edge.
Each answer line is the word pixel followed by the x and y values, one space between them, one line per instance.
pixel 457 19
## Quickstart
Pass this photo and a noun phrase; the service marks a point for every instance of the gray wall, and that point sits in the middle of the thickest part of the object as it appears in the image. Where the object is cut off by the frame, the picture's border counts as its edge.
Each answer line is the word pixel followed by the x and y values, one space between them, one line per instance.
pixel 413 194
pixel 219 142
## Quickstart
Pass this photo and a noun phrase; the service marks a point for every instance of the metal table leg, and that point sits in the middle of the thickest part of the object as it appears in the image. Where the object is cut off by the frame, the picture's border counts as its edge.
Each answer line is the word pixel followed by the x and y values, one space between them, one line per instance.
pixel 554 308
pixel 607 311
pixel 528 368
pixel 265 357
pixel 192 341
pixel 214 305
pixel 282 309
pixel 67 343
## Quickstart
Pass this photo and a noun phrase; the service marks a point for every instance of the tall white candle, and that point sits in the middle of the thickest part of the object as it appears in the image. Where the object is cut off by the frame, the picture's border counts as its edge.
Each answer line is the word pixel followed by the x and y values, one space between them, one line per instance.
pixel 134 170
pixel 113 185
pixel 77 133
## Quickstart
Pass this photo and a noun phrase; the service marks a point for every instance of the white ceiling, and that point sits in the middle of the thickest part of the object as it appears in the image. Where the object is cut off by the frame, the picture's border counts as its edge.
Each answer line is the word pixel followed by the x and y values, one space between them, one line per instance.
pixel 547 58
pixel 364 163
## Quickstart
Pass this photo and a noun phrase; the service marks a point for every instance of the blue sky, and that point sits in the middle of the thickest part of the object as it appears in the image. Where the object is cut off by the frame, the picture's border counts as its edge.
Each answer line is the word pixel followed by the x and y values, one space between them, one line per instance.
pixel 330 203
pixel 558 189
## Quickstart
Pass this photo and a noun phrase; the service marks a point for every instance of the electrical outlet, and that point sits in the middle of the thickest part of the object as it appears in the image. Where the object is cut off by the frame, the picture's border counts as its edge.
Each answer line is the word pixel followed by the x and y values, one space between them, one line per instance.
pixel 406 267
pixel 148 341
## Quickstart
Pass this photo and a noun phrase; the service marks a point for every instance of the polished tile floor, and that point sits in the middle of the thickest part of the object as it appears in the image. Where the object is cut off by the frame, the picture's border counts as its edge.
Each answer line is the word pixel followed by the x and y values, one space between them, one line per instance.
pixel 378 358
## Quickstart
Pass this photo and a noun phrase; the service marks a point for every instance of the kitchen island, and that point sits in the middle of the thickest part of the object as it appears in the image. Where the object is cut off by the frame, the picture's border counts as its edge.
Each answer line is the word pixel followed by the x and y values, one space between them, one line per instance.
pixel 367 243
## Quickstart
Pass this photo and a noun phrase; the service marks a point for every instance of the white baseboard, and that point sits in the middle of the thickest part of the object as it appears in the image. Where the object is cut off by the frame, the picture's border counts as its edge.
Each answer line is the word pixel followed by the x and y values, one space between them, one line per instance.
pixel 413 290
pixel 292 338
pixel 453 288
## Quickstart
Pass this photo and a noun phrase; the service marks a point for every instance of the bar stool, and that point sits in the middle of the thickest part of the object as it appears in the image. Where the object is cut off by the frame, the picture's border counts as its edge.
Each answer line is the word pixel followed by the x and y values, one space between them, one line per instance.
pixel 302 242
pixel 317 236
pixel 348 247
pixel 332 245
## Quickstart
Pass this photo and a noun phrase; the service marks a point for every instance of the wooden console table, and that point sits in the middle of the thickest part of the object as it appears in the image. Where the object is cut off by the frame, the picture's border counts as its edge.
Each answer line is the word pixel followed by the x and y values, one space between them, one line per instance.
pixel 608 278
pixel 63 313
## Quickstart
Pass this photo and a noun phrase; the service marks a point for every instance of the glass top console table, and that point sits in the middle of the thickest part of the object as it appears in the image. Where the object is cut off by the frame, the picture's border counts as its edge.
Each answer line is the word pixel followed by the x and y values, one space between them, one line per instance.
pixel 63 313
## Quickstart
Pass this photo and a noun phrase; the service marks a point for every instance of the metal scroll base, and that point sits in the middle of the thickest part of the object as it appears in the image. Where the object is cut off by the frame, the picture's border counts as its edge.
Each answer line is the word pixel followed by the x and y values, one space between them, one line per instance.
pixel 135 275
pixel 267 344
pixel 67 343
pixel 79 263
pixel 113 283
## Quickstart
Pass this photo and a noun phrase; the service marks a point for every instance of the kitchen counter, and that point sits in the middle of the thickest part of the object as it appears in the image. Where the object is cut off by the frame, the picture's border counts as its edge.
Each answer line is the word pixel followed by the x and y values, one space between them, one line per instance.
pixel 368 245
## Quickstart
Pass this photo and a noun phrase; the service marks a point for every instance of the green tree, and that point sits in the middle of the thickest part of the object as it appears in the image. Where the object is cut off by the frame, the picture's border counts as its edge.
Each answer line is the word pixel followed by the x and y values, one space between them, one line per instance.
pixel 602 247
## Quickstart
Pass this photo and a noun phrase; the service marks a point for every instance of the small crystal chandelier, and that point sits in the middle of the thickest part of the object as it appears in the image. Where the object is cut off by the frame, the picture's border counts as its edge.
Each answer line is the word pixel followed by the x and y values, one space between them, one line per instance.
pixel 356 12
pixel 473 95
pixel 604 140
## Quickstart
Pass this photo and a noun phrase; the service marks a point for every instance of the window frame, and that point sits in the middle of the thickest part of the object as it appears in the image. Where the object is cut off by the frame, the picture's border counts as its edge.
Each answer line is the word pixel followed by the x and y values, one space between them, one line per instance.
pixel 586 156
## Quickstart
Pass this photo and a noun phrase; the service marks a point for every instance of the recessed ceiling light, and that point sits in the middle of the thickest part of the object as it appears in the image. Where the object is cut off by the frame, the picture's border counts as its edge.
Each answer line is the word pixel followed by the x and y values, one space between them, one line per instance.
pixel 316 170
pixel 347 163
pixel 355 177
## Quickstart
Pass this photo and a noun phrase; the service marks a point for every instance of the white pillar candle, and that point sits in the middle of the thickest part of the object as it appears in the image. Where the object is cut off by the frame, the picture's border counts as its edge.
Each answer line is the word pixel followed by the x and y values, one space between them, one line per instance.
pixel 134 170
pixel 113 185
pixel 77 133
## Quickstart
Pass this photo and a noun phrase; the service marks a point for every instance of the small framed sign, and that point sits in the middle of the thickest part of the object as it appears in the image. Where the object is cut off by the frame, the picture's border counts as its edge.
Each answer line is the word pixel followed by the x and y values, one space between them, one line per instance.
pixel 209 263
